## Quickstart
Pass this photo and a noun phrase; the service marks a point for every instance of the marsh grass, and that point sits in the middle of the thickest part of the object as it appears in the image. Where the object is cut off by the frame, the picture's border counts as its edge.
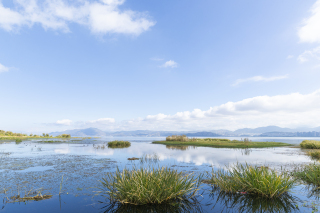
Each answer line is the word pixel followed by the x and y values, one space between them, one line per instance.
pixel 260 181
pixel 310 144
pixel 149 186
pixel 222 143
pixel 18 140
pixel 119 144
pixel 315 154
pixel 309 174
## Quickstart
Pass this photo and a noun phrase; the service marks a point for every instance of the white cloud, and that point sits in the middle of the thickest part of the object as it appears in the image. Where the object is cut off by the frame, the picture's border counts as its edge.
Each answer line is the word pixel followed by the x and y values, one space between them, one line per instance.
pixel 309 55
pixel 310 31
pixel 259 78
pixel 170 63
pixel 3 68
pixel 290 110
pixel 102 121
pixel 101 17
pixel 65 122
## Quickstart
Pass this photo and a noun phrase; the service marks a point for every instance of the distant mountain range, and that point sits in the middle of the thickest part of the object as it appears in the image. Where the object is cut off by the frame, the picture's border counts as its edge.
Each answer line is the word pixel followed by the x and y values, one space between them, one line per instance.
pixel 269 131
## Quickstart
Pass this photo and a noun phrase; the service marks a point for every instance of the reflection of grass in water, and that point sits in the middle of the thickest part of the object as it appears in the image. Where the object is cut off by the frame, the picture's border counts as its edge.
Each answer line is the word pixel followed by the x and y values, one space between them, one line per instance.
pixel 150 158
pixel 261 181
pixel 149 186
pixel 191 205
pixel 102 146
pixel 250 203
pixel 183 148
pixel 119 144
pixel 309 174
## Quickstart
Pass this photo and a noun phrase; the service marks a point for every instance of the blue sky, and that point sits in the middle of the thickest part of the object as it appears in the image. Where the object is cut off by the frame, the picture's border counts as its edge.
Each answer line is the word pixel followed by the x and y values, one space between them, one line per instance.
pixel 158 65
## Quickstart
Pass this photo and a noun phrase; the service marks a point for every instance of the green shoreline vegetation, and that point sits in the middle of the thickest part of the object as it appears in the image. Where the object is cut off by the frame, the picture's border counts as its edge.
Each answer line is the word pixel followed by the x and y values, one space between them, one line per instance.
pixel 8 135
pixel 183 140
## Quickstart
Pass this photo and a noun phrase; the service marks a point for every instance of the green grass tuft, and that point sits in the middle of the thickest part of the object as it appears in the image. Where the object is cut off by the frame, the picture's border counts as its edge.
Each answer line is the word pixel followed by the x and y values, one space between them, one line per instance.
pixel 18 140
pixel 315 154
pixel 119 144
pixel 310 174
pixel 310 144
pixel 149 186
pixel 261 181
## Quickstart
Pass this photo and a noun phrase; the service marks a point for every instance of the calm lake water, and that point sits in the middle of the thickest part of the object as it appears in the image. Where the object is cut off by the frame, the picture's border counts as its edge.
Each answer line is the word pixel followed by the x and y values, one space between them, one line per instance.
pixel 75 167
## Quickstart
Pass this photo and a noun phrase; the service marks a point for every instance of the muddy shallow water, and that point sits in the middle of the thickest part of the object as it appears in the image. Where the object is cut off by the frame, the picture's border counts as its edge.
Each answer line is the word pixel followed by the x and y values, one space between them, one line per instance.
pixel 73 169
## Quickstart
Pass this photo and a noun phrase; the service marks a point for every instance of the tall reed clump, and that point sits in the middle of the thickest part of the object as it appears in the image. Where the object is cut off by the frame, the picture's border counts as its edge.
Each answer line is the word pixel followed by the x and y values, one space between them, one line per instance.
pixel 149 186
pixel 261 181
pixel 308 173
pixel 119 144
pixel 310 144
pixel 315 154
pixel 177 138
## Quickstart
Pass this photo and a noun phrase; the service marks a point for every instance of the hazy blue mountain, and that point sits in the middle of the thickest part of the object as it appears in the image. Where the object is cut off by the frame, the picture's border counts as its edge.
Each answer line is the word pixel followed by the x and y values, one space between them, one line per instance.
pixel 261 131
pixel 82 132
pixel 202 134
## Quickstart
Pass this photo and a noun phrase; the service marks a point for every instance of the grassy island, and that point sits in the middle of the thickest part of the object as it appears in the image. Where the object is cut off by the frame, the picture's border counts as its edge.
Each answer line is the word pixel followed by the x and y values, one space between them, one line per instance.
pixel 216 142
pixel 119 144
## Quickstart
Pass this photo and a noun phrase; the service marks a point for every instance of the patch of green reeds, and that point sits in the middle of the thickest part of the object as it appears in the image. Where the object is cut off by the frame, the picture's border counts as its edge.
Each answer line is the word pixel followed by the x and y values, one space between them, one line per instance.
pixel 260 181
pixel 149 186
pixel 310 144
pixel 119 144
pixel 18 140
pixel 309 173
pixel 315 154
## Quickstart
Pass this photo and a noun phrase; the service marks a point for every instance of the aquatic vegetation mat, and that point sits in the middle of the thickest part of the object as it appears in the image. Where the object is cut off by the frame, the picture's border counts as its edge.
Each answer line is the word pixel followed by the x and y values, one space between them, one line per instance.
pixel 244 179
pixel 119 144
pixel 149 186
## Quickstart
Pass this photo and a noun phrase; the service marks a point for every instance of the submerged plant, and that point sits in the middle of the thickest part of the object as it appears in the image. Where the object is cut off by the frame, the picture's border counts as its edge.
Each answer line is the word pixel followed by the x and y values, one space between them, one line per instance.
pixel 310 144
pixel 119 144
pixel 261 181
pixel 149 186
pixel 310 174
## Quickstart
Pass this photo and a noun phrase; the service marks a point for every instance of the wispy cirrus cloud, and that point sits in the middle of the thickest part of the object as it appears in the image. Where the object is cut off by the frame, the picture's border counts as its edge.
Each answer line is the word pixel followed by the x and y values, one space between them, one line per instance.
pixel 170 64
pixel 309 55
pixel 4 68
pixel 100 16
pixel 259 78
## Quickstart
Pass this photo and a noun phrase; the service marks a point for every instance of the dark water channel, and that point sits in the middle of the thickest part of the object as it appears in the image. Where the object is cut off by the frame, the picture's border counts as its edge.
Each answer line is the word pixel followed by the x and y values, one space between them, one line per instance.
pixel 73 169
